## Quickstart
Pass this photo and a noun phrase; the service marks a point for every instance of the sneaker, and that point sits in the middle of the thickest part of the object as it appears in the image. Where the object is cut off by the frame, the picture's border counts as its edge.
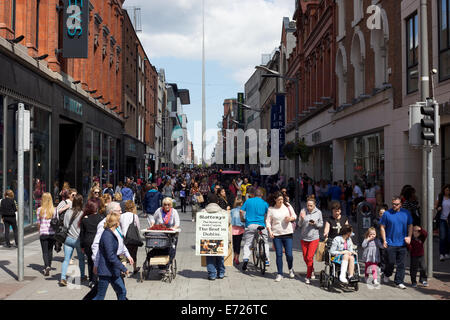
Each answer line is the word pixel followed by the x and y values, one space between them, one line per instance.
pixel 375 282
pixel 278 278
pixel 47 271
pixel 401 286
pixel 71 261
pixel 343 280
pixel 267 263
pixel 425 284
pixel 313 276
pixel 386 279
pixel 307 281
pixel 414 285
pixel 244 265
pixel 63 283
pixel 91 284
pixel 442 257
pixel 211 278
pixel 221 277
pixel 291 274
pixel 192 220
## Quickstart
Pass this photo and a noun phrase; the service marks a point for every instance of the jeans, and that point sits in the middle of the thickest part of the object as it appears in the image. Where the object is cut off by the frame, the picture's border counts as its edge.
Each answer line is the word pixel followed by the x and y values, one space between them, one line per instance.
pixel 249 234
pixel 10 221
pixel 117 284
pixel 279 243
pixel 418 264
pixel 215 265
pixel 444 237
pixel 69 246
pixel 395 256
pixel 47 243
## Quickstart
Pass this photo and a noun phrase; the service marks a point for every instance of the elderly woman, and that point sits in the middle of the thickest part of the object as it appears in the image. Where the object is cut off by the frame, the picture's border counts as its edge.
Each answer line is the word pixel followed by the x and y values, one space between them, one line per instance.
pixel 342 251
pixel 109 267
pixel 169 217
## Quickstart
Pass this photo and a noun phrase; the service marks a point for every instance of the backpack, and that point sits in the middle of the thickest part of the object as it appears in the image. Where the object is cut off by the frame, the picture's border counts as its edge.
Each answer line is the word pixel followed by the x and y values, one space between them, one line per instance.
pixel 133 236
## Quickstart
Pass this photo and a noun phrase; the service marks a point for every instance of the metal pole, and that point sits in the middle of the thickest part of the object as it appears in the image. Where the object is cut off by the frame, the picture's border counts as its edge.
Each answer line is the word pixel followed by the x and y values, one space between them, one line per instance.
pixel 203 91
pixel 297 159
pixel 20 189
pixel 427 163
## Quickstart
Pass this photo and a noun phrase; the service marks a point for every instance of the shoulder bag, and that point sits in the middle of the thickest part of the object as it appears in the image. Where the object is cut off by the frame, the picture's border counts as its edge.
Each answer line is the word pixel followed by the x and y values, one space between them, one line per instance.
pixel 133 237
pixel 294 223
pixel 62 233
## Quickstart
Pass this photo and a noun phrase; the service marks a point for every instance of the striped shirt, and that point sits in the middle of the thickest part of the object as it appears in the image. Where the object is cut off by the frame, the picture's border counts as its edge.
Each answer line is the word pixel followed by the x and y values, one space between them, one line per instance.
pixel 45 228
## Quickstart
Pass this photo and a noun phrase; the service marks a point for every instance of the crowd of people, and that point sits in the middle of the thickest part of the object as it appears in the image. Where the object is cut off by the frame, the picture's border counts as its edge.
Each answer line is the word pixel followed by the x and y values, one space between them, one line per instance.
pixel 96 227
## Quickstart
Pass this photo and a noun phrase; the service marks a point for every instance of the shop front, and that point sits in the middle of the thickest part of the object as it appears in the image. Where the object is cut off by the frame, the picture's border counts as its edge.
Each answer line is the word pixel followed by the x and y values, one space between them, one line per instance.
pixel 134 157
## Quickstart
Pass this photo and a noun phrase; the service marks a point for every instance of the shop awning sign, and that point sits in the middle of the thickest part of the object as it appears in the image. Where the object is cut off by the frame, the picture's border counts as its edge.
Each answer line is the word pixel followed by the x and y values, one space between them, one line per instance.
pixel 75 28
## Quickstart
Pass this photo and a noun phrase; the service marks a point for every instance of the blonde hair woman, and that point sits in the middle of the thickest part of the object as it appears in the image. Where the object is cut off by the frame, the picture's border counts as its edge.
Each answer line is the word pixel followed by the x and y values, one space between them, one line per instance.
pixel 45 213
pixel 109 266
pixel 126 219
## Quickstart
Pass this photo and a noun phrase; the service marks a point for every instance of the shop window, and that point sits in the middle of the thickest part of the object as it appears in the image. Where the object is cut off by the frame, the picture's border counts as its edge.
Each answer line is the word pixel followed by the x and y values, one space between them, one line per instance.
pixel 446 155
pixel 96 156
pixel 2 124
pixel 87 161
pixel 105 159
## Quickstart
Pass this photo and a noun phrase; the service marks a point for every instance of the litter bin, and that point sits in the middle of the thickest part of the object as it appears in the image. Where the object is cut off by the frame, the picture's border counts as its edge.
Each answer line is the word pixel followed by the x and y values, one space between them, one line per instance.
pixel 364 219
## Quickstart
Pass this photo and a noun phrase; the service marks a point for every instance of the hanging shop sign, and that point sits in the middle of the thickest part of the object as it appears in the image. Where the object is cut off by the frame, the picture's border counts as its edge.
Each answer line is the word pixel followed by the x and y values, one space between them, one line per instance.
pixel 75 29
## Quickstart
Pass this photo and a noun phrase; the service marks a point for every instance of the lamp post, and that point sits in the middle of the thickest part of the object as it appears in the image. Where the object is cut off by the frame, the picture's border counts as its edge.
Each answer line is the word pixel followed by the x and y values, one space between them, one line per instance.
pixel 276 74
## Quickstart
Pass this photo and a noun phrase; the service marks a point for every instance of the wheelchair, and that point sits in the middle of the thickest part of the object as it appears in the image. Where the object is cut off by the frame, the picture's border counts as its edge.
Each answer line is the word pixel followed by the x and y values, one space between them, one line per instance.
pixel 329 277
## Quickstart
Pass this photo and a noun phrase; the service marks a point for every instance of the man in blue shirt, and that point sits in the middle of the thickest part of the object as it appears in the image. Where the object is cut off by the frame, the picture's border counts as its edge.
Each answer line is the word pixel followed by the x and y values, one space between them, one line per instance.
pixel 255 209
pixel 396 227
pixel 335 192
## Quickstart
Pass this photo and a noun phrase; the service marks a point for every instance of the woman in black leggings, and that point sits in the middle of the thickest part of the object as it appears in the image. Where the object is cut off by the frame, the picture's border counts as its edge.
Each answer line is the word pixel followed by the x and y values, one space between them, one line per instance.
pixel 8 210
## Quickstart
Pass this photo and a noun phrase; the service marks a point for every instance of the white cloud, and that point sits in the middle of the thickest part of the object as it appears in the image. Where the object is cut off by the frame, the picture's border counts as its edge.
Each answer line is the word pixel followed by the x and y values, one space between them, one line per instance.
pixel 237 31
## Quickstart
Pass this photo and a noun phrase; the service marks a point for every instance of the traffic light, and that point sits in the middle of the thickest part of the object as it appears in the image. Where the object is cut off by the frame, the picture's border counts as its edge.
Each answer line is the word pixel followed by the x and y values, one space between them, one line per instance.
pixel 431 122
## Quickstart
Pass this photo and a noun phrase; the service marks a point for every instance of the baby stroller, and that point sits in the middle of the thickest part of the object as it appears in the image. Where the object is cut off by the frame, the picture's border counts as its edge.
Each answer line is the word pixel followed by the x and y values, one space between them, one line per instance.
pixel 329 277
pixel 159 244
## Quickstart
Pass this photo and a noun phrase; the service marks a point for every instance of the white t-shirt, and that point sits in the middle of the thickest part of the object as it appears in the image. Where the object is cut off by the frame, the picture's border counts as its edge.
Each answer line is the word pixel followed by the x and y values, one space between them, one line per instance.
pixel 126 219
pixel 370 193
pixel 358 191
pixel 445 209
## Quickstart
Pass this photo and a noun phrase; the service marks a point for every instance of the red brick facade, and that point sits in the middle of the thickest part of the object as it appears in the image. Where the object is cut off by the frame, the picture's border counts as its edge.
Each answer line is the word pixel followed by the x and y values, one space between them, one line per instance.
pixel 313 59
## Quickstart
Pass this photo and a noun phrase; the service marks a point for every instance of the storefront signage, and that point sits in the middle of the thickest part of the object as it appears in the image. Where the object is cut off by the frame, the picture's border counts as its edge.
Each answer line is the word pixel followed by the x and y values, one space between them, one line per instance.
pixel 211 234
pixel 73 106
pixel 75 29
pixel 278 120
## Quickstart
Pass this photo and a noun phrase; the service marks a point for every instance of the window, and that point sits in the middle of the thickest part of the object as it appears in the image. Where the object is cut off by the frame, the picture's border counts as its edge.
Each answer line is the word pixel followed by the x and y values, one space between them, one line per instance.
pixel 357 57
pixel 37 23
pixel 13 15
pixel 341 70
pixel 357 11
pixel 444 40
pixel 341 18
pixel 412 47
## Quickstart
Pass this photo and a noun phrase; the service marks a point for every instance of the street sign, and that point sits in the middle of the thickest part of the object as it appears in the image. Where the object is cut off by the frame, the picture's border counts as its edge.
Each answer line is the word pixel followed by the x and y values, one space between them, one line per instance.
pixel 26 129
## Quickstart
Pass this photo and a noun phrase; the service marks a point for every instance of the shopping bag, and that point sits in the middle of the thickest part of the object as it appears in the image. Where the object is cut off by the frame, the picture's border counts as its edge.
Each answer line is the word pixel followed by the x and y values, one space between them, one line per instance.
pixel 320 251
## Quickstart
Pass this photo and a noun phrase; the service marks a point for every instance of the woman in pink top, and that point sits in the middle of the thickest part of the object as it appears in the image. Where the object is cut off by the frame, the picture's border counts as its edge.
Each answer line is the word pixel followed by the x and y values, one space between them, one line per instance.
pixel 279 225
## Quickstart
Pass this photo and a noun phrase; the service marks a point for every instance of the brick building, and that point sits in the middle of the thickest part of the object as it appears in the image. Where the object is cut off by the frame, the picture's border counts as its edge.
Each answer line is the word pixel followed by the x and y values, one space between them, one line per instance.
pixel 77 105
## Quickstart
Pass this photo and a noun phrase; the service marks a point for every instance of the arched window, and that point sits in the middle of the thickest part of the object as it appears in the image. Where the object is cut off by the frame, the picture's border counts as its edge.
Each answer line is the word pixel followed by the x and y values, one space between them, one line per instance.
pixel 341 18
pixel 379 43
pixel 341 73
pixel 357 59
pixel 358 13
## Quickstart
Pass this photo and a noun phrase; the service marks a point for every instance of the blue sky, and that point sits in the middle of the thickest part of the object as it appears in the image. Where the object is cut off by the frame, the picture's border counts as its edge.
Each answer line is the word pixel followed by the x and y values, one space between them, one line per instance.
pixel 237 33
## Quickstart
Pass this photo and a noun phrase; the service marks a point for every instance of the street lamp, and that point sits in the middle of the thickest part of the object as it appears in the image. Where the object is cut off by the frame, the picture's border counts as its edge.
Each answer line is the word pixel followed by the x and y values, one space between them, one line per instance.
pixel 276 74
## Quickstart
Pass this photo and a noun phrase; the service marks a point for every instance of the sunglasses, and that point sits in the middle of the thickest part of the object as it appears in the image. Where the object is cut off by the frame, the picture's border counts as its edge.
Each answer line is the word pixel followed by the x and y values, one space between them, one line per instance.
pixel 97 192
pixel 396 204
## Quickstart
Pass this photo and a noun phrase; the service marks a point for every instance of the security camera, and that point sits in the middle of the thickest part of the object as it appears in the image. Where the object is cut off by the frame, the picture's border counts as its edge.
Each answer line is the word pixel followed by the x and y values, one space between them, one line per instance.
pixel 434 71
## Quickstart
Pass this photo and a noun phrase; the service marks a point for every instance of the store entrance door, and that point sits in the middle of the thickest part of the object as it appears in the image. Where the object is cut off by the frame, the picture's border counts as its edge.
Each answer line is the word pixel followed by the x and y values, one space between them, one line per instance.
pixel 70 146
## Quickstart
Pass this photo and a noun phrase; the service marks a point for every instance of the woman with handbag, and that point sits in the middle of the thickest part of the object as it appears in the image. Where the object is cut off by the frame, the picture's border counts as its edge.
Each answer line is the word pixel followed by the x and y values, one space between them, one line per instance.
pixel 443 214
pixel 72 220
pixel 126 219
pixel 279 226
pixel 8 209
pixel 45 214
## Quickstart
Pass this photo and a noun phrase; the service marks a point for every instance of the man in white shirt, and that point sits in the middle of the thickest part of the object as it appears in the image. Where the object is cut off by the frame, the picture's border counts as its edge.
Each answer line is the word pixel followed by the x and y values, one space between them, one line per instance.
pixel 357 193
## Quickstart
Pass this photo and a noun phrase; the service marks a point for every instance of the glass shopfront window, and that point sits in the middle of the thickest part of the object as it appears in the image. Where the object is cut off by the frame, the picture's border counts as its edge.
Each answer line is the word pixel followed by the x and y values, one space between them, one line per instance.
pixel 365 161
pixel 112 161
pixel 96 155
pixel 1 146
pixel 445 155
pixel 41 155
pixel 87 161
pixel 105 159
